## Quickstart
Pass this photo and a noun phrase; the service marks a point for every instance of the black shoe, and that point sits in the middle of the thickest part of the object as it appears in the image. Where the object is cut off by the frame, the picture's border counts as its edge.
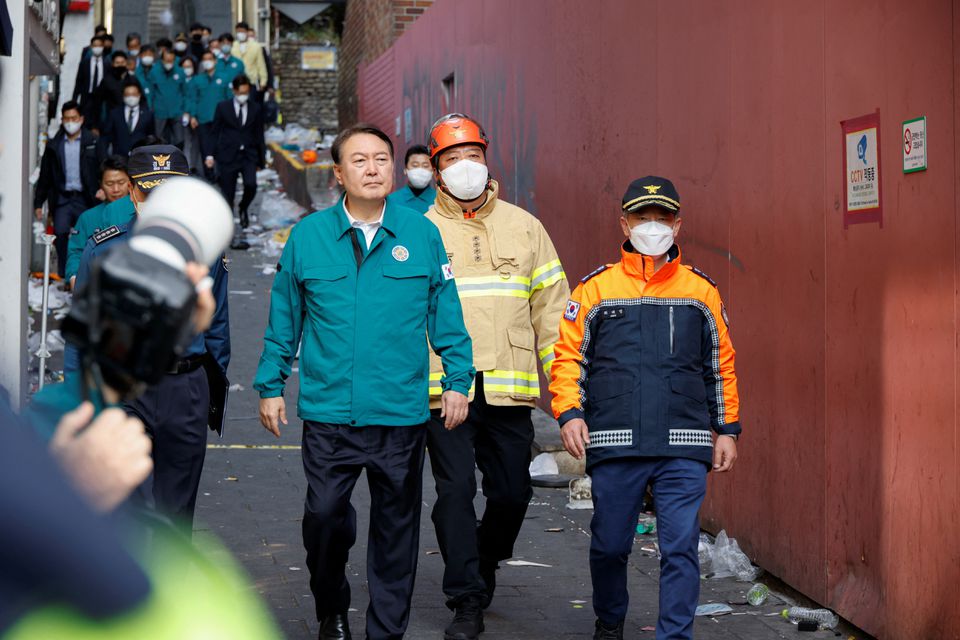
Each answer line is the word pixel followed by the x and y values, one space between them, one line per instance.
pixel 467 621
pixel 335 627
pixel 239 244
pixel 603 632
pixel 244 219
pixel 488 571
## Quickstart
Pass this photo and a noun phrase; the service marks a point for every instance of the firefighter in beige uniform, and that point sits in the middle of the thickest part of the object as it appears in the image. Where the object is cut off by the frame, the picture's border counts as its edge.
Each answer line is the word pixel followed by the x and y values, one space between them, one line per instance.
pixel 513 291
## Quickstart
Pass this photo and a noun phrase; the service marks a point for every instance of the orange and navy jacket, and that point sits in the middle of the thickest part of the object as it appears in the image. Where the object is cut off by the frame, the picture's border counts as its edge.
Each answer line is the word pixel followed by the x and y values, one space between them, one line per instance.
pixel 645 359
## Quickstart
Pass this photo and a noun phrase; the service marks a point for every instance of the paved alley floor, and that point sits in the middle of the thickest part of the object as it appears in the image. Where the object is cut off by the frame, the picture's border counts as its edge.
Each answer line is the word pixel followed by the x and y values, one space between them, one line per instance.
pixel 252 495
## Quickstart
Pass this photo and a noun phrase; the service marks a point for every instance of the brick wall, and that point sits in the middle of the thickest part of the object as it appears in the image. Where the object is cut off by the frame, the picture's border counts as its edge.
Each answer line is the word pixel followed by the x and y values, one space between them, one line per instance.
pixel 309 97
pixel 369 28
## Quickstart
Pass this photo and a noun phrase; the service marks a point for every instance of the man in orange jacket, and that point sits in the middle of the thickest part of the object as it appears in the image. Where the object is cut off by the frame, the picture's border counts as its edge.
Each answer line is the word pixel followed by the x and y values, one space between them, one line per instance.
pixel 644 369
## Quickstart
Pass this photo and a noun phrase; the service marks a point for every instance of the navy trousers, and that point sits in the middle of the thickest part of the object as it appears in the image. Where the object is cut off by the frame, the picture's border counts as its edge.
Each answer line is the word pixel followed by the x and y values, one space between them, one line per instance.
pixel 333 457
pixel 69 207
pixel 679 485
pixel 175 413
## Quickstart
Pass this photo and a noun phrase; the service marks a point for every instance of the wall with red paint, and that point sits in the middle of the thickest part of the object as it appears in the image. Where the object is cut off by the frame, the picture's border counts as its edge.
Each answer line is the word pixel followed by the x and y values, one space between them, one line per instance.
pixel 848 483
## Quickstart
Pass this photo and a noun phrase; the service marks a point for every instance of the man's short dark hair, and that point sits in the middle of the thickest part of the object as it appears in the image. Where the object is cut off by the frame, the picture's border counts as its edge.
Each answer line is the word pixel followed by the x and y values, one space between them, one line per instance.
pixel 241 80
pixel 226 36
pixel 131 81
pixel 94 38
pixel 349 132
pixel 196 26
pixel 99 29
pixel 133 35
pixel 118 54
pixel 417 149
pixel 107 36
pixel 113 163
pixel 69 105
pixel 147 47
pixel 242 25
pixel 164 43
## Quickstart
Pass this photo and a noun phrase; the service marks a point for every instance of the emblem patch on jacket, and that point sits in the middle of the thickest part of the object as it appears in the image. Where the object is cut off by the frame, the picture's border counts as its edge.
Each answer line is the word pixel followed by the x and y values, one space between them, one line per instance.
pixel 400 253
pixel 447 271
pixel 106 234
pixel 573 308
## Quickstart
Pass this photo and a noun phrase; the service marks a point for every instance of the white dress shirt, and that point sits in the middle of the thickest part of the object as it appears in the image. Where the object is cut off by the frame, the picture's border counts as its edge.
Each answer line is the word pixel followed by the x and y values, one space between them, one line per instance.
pixel 369 229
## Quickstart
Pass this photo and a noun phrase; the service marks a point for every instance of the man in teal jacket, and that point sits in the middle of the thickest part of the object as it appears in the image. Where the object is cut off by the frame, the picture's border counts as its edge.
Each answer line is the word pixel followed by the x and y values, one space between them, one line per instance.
pixel 206 91
pixel 115 185
pixel 366 284
pixel 167 79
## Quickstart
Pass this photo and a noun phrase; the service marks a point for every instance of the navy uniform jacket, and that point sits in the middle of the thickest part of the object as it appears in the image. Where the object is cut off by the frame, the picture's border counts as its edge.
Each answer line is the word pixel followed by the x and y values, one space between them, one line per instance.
pixel 215 340
pixel 116 133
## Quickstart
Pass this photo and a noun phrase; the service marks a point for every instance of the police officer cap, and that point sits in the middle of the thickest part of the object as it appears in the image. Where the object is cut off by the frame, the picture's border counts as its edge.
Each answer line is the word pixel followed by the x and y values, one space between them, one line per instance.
pixel 151 165
pixel 651 191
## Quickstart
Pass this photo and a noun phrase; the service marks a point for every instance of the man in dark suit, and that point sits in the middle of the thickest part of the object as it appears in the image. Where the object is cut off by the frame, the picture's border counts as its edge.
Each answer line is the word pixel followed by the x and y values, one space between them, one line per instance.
pixel 128 124
pixel 89 76
pixel 69 177
pixel 238 145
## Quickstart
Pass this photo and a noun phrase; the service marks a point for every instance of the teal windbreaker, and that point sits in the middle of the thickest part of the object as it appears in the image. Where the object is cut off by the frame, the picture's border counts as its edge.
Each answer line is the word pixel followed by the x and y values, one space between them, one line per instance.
pixel 204 93
pixel 365 327
pixel 229 68
pixel 168 92
pixel 91 221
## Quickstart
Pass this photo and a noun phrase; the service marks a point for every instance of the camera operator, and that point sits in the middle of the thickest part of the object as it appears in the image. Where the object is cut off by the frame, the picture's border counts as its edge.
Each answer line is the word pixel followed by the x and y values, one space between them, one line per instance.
pixel 177 405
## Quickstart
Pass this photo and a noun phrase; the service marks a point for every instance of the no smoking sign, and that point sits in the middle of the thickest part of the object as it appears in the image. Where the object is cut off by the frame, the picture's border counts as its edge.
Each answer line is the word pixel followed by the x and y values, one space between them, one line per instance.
pixel 915 145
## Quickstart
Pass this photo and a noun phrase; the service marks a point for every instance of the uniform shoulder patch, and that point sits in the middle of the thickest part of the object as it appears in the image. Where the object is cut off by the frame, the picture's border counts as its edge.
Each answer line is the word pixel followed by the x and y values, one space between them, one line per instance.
pixel 595 272
pixel 106 234
pixel 703 275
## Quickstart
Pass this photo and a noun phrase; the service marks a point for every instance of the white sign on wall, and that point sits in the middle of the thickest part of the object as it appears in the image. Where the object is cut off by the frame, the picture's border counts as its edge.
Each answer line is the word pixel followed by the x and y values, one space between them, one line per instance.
pixel 863 176
pixel 915 145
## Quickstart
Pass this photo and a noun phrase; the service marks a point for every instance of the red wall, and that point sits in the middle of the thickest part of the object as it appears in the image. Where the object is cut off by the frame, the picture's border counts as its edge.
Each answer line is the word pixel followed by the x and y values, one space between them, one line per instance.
pixel 847 486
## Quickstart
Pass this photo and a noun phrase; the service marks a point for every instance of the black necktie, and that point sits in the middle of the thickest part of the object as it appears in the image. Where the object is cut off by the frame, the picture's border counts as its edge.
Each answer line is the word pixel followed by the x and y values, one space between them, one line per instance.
pixel 130 119
pixel 96 75
pixel 243 114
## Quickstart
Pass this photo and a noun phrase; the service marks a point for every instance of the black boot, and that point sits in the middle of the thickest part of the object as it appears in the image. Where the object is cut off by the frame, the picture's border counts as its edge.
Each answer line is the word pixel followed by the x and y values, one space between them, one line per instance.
pixel 488 571
pixel 467 621
pixel 603 632
pixel 335 627
pixel 244 219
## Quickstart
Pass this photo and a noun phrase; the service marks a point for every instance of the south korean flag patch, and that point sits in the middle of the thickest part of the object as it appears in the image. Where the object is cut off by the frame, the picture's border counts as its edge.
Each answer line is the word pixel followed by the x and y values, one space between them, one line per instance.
pixel 447 270
pixel 573 308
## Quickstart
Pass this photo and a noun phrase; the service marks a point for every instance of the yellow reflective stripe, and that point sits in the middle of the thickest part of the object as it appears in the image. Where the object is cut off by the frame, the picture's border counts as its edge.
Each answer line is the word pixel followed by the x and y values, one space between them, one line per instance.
pixel 546 351
pixel 546 275
pixel 494 279
pixel 503 293
pixel 547 357
pixel 513 388
pixel 504 373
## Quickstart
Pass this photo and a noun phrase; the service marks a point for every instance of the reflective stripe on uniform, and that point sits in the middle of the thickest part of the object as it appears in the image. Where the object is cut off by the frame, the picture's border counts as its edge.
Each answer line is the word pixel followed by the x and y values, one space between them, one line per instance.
pixel 513 382
pixel 546 275
pixel 436 384
pixel 546 359
pixel 514 287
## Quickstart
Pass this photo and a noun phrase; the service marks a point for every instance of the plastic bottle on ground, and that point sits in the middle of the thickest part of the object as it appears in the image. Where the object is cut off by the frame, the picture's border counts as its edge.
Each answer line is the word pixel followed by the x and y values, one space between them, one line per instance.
pixel 758 594
pixel 824 617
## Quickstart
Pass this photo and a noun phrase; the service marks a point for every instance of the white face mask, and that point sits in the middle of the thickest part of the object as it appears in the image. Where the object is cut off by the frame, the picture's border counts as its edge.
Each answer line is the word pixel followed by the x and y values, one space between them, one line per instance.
pixel 131 101
pixel 652 238
pixel 188 71
pixel 168 66
pixel 419 178
pixel 466 179
pixel 180 47
pixel 225 50
pixel 133 52
pixel 241 36
pixel 243 97
pixel 207 65
pixel 146 60
pixel 96 51
pixel 72 127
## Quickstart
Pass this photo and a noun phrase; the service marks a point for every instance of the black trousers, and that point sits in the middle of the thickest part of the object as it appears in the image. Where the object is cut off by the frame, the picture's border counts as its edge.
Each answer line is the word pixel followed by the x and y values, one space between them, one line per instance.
pixel 69 207
pixel 175 414
pixel 207 145
pixel 246 166
pixel 333 457
pixel 497 440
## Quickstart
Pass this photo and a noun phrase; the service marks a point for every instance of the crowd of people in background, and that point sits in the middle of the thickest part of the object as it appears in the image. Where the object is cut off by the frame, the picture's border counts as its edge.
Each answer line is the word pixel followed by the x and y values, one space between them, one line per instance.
pixel 210 96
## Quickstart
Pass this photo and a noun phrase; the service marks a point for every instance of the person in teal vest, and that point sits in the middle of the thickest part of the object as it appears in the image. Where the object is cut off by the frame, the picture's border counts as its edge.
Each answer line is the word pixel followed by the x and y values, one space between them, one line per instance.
pixel 168 109
pixel 418 194
pixel 115 185
pixel 148 60
pixel 229 66
pixel 368 286
pixel 205 92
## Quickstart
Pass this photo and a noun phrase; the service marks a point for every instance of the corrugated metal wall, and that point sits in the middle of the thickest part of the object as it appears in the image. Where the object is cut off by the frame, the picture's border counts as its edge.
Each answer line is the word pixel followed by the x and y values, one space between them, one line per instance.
pixel 848 482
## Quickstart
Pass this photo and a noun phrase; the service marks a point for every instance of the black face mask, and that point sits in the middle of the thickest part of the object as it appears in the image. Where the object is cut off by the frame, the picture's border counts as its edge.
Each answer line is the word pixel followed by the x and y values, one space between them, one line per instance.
pixel 196 37
pixel 118 71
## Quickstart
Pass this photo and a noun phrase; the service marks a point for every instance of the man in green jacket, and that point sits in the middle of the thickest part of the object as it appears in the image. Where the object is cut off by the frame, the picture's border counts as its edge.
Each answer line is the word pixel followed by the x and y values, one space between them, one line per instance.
pixel 115 186
pixel 366 284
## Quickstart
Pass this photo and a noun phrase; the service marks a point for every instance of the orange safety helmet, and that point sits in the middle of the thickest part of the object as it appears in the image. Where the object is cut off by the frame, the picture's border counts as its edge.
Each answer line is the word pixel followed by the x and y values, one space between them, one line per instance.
pixel 454 129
